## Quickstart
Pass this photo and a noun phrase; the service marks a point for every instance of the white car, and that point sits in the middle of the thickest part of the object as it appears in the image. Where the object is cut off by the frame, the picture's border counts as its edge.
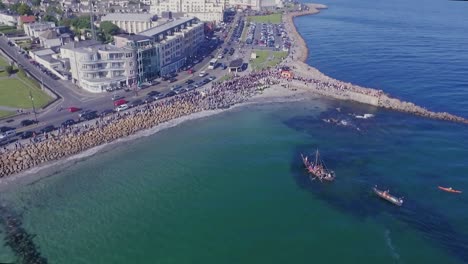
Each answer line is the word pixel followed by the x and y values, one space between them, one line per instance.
pixel 220 56
pixel 202 74
pixel 121 107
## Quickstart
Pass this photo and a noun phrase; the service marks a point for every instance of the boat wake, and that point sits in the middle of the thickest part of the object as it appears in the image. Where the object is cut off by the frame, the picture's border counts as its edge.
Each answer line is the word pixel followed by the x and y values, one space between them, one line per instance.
pixel 388 241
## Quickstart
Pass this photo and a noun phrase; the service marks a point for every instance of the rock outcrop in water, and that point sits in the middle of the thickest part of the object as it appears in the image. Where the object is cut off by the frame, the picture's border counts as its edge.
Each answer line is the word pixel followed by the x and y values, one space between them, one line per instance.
pixel 18 239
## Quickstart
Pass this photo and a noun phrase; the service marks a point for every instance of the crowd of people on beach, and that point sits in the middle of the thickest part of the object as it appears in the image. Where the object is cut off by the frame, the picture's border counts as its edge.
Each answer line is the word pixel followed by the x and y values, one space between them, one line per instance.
pixel 219 96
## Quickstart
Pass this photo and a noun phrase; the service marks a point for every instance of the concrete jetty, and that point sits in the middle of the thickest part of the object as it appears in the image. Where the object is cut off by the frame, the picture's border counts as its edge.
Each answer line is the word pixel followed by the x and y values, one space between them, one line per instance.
pixel 306 75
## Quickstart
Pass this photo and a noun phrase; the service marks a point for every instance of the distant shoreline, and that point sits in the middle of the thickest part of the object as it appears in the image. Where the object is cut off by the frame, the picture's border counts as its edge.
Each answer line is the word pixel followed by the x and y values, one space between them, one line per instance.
pixel 342 90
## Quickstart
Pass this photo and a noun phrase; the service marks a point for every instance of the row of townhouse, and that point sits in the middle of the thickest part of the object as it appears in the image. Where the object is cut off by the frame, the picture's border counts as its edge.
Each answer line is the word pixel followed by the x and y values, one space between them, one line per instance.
pixel 134 59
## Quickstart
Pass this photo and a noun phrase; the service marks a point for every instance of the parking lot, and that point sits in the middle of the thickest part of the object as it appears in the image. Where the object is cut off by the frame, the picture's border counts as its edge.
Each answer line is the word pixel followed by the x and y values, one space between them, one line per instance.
pixel 267 35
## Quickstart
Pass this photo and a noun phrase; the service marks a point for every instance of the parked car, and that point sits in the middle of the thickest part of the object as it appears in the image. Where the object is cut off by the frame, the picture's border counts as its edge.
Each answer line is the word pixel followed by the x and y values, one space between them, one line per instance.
pixel 106 112
pixel 27 122
pixel 171 93
pixel 8 134
pixel 120 102
pixel 172 80
pixel 26 134
pixel 153 93
pixel 211 78
pixel 189 81
pixel 68 122
pixel 5 128
pixel 84 112
pixel 135 103
pixel 149 99
pixel 48 129
pixel 121 107
pixel 176 87
pixel 90 116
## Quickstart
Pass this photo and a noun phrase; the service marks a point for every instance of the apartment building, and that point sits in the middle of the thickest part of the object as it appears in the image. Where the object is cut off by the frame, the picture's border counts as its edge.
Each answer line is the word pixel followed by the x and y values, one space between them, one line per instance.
pixel 131 23
pixel 96 68
pixel 147 55
pixel 204 10
pixel 176 40
pixel 34 30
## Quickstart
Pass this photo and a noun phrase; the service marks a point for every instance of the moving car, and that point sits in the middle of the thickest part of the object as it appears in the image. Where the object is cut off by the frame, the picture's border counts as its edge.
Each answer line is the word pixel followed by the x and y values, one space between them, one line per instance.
pixel 73 109
pixel 27 134
pixel 202 74
pixel 116 97
pixel 27 122
pixel 120 102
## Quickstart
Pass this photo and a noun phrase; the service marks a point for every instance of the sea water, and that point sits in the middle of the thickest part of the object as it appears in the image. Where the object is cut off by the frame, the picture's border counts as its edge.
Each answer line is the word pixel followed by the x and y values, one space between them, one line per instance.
pixel 231 188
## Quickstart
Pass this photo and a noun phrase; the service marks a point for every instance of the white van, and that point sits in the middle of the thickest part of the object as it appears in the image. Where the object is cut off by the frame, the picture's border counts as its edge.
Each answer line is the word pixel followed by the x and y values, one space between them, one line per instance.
pixel 8 134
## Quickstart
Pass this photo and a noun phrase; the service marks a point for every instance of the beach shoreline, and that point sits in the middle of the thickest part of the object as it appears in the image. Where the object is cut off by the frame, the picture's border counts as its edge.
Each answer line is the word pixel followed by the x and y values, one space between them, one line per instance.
pixel 273 94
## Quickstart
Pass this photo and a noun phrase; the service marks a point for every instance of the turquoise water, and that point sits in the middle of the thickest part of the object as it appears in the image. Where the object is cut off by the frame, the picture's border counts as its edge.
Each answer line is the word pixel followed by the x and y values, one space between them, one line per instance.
pixel 230 188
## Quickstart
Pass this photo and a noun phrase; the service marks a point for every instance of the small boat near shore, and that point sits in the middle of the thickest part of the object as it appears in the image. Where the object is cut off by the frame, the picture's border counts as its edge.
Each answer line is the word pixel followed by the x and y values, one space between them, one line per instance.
pixel 449 189
pixel 317 169
pixel 388 197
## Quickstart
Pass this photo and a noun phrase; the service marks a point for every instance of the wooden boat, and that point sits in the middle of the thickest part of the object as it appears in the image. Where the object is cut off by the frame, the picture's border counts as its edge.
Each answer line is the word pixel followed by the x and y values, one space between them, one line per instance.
pixel 387 196
pixel 317 169
pixel 449 189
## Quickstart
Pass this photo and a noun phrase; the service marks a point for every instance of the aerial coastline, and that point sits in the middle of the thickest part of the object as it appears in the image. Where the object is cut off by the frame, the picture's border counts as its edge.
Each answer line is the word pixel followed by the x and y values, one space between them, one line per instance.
pixel 307 81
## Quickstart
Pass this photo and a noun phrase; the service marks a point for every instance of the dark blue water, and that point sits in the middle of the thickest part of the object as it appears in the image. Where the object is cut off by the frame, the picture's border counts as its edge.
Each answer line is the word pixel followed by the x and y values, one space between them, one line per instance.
pixel 415 50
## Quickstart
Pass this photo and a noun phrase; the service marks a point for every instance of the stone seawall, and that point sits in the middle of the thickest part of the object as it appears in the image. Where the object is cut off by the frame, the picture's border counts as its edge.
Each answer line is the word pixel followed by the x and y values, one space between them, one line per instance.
pixel 342 90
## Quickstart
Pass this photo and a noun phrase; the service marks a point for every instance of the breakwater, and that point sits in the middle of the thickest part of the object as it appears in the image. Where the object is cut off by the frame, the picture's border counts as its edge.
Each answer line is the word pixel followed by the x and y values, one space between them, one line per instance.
pixel 308 76
pixel 78 138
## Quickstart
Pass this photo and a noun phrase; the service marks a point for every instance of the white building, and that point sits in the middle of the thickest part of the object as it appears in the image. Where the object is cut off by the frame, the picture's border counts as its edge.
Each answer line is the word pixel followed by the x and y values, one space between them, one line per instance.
pixel 98 67
pixel 205 10
pixel 131 23
pixel 244 4
pixel 8 20
pixel 36 29
pixel 176 40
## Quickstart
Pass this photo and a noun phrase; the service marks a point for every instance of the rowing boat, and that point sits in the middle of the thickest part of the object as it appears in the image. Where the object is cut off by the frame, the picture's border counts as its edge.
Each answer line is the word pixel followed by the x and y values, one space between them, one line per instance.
pixel 388 197
pixel 449 189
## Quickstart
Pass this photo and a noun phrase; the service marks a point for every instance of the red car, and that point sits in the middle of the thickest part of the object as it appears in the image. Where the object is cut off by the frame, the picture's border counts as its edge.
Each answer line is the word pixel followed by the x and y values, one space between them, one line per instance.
pixel 73 109
pixel 120 102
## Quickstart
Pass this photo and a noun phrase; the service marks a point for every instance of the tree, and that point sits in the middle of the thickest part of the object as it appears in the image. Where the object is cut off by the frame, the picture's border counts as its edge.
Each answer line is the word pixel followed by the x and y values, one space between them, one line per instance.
pixel 81 22
pixel 24 9
pixel 50 18
pixel 9 69
pixel 109 29
pixel 2 5
pixel 112 10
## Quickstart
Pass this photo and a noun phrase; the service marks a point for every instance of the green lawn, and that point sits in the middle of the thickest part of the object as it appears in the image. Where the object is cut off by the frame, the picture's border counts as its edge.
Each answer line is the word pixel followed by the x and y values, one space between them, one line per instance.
pixel 5 113
pixel 7 29
pixel 267 58
pixel 273 18
pixel 16 94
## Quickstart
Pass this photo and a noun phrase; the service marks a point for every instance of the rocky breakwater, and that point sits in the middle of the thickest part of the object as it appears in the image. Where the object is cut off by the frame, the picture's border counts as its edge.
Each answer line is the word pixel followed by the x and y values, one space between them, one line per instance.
pixel 73 140
pixel 319 83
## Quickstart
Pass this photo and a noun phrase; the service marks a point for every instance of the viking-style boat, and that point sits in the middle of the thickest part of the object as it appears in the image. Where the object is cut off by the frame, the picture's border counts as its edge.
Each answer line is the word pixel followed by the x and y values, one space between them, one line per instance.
pixel 317 169
pixel 449 189
pixel 387 196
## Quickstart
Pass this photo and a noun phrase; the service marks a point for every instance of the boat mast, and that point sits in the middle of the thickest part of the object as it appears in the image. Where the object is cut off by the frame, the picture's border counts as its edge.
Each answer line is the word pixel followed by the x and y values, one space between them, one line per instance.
pixel 316 157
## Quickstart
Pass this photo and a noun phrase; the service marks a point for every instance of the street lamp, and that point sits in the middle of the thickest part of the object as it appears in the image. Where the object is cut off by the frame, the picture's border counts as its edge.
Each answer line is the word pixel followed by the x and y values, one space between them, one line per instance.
pixel 32 102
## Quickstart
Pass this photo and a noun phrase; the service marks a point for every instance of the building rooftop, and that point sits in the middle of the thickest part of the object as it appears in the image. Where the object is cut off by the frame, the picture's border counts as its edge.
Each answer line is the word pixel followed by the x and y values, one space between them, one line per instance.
pixel 133 37
pixel 236 63
pixel 27 19
pixel 81 44
pixel 165 27
pixel 43 52
pixel 141 17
